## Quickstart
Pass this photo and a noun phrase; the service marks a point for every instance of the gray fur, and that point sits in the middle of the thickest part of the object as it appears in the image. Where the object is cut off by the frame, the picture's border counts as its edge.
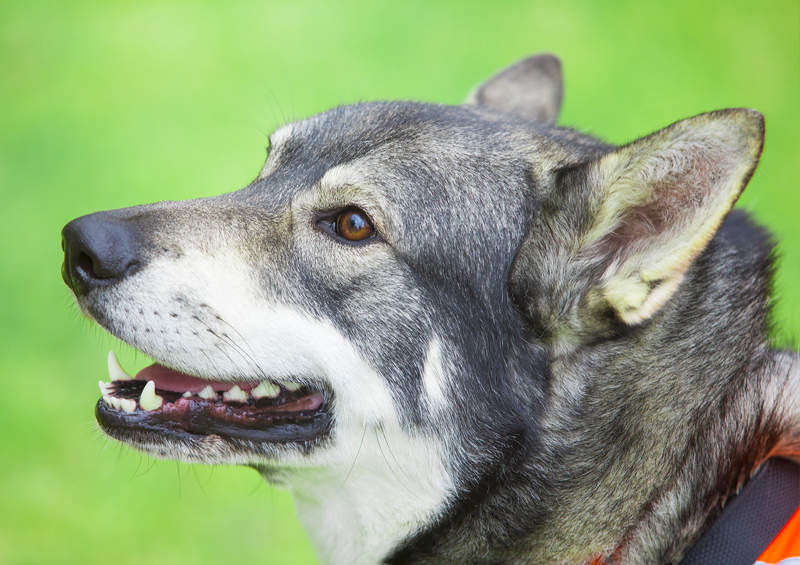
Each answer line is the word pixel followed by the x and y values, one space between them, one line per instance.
pixel 531 88
pixel 566 432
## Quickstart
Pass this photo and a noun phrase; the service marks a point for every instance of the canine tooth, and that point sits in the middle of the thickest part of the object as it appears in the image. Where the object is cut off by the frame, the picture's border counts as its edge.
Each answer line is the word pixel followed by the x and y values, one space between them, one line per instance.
pixel 266 389
pixel 187 394
pixel 149 400
pixel 105 388
pixel 290 386
pixel 115 370
pixel 235 393
pixel 208 393
pixel 127 404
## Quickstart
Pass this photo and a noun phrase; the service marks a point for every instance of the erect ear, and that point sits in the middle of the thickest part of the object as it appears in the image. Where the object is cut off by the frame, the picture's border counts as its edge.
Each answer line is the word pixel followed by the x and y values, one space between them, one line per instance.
pixel 531 88
pixel 657 202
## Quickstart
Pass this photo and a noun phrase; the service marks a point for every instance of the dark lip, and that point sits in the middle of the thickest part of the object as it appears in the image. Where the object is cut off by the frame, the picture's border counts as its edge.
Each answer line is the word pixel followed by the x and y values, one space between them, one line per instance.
pixel 289 418
pixel 156 427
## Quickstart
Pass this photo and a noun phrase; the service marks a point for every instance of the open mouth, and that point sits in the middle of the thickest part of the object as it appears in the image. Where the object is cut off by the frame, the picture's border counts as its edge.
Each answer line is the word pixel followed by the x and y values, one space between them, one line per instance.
pixel 162 401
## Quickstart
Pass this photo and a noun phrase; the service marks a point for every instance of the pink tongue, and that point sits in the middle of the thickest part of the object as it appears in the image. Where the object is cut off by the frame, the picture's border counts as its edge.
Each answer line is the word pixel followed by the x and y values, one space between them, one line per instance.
pixel 175 381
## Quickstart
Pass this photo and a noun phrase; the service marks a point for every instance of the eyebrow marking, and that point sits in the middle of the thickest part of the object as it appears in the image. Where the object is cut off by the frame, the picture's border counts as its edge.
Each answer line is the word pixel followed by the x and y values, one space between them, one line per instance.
pixel 276 143
pixel 280 135
pixel 338 175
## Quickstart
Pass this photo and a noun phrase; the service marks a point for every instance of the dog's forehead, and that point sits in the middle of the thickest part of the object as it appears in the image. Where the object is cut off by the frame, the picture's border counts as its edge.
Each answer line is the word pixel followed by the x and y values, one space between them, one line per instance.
pixel 352 130
pixel 409 149
pixel 408 130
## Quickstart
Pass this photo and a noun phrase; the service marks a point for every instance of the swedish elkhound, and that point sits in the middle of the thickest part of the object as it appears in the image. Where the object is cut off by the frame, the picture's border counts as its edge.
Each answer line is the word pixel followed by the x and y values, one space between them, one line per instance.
pixel 460 334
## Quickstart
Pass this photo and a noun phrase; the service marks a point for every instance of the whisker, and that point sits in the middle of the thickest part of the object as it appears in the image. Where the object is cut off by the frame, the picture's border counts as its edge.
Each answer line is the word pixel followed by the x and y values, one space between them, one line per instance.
pixel 240 348
pixel 211 362
pixel 358 452
pixel 403 481
pixel 227 339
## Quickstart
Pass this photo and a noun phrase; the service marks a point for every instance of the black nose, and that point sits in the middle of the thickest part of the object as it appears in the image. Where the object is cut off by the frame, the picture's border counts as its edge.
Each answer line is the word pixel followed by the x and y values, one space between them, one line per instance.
pixel 98 250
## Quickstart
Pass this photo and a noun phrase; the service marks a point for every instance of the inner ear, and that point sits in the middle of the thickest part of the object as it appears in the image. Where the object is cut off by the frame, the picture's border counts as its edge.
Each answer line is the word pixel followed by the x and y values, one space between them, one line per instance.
pixel 531 88
pixel 658 201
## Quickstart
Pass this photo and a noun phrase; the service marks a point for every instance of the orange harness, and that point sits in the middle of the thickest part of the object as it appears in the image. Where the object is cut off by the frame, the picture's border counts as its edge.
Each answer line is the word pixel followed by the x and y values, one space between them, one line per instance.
pixel 786 544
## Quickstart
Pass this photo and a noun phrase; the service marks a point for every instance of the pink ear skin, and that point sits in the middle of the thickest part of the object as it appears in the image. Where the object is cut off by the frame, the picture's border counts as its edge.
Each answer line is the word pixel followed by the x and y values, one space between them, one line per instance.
pixel 659 200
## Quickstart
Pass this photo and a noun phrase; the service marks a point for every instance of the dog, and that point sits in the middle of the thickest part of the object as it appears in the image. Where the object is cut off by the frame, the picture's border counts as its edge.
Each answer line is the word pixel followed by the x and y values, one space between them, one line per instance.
pixel 460 334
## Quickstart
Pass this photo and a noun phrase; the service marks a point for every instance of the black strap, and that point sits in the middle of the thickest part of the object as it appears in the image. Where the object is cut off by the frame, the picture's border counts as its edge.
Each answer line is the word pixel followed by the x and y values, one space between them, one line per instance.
pixel 752 519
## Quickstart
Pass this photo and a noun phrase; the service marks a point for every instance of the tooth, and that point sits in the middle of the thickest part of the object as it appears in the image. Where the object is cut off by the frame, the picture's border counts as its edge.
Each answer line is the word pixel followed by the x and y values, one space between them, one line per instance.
pixel 266 389
pixel 115 370
pixel 235 393
pixel 114 402
pixel 105 388
pixel 107 400
pixel 187 394
pixel 149 400
pixel 208 393
pixel 290 386
pixel 127 404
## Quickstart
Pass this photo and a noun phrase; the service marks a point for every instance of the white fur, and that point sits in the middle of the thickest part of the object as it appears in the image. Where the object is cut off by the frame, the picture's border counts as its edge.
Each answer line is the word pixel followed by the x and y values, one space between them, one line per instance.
pixel 433 376
pixel 276 141
pixel 379 487
pixel 280 135
pixel 343 175
pixel 361 493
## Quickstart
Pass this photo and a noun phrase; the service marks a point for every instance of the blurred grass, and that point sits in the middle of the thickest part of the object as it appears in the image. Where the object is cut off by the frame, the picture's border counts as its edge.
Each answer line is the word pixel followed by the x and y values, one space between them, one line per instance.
pixel 109 104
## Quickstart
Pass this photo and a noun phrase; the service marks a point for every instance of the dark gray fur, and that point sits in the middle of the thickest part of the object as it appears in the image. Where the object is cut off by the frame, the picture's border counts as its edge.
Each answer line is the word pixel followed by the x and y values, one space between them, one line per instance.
pixel 629 437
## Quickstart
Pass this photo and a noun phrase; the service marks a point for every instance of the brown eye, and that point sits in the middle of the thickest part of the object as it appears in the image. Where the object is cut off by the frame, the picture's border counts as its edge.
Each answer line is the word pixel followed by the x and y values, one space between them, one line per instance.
pixel 354 225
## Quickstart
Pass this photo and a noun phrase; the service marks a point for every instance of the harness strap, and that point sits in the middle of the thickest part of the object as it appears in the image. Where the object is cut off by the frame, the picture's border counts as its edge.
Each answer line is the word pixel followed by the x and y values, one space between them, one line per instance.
pixel 761 517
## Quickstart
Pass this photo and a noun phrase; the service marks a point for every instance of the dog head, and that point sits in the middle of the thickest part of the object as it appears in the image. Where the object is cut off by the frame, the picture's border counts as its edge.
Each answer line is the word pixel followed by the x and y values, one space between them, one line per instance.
pixel 390 291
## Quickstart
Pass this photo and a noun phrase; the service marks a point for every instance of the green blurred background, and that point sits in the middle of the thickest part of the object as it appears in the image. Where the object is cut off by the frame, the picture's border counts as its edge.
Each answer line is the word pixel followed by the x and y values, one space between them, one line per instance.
pixel 110 104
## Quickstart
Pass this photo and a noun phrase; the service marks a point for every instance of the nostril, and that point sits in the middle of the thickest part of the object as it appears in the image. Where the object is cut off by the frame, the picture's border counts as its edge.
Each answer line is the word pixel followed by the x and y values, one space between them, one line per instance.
pixel 85 264
pixel 89 267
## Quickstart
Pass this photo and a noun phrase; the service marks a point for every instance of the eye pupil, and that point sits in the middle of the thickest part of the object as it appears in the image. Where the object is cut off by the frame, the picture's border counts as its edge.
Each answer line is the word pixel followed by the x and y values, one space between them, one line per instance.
pixel 354 225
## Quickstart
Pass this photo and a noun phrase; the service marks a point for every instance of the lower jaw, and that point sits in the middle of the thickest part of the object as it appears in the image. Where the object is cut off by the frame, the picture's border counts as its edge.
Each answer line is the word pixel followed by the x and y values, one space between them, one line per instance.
pixel 187 423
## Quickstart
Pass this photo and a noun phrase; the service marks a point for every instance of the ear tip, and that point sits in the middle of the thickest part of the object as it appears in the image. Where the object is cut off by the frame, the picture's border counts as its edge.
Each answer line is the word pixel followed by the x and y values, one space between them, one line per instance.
pixel 743 124
pixel 531 88
pixel 748 118
pixel 748 114
pixel 753 124
pixel 757 118
pixel 544 61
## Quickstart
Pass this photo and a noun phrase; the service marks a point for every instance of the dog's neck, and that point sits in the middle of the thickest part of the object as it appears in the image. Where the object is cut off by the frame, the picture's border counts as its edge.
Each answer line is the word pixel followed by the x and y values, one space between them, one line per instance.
pixel 674 418
pixel 643 437
pixel 370 496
